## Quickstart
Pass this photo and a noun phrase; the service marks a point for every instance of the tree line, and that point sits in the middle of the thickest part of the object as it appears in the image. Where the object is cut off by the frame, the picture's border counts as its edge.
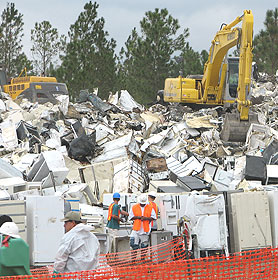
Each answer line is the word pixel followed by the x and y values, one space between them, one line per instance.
pixel 86 58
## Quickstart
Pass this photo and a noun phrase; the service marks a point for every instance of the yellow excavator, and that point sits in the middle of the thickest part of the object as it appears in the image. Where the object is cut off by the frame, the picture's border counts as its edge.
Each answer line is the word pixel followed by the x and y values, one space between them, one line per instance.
pixel 226 80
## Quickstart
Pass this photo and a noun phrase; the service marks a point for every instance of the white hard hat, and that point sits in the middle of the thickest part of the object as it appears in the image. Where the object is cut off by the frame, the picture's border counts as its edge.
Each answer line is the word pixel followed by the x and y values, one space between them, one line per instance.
pixel 152 193
pixel 10 228
pixel 143 199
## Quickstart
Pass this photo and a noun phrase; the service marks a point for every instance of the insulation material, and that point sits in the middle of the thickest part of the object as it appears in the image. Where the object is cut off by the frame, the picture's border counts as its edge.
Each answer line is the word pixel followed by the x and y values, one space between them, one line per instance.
pixel 152 117
pixel 156 165
pixel 258 136
pixel 200 122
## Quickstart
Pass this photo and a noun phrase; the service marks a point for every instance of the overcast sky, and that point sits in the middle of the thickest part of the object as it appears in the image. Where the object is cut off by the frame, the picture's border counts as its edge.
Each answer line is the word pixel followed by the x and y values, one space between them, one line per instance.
pixel 202 17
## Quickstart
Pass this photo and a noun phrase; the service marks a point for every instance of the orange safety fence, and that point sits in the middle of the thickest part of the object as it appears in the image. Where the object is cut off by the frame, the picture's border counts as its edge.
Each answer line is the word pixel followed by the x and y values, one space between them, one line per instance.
pixel 254 264
pixel 165 252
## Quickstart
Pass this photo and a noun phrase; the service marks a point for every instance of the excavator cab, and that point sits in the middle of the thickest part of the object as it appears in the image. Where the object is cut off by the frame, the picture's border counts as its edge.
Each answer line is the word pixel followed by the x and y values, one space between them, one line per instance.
pixel 229 93
pixel 233 77
pixel 231 82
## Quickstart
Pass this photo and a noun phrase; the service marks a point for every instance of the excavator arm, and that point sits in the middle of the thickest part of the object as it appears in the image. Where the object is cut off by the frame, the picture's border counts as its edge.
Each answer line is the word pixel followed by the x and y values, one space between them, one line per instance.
pixel 215 71
pixel 236 125
pixel 245 65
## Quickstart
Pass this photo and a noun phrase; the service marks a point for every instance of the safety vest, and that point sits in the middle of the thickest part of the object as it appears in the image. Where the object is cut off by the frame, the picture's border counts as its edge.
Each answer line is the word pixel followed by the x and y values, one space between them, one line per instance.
pixel 154 206
pixel 138 212
pixel 110 211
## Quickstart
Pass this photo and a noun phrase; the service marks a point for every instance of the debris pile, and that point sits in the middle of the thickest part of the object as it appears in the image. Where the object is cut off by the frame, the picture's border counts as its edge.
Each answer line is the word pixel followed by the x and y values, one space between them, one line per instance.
pixel 54 144
pixel 83 151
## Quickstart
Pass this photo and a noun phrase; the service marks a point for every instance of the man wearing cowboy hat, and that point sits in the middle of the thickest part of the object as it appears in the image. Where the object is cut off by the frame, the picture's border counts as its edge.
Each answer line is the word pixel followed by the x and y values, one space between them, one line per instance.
pixel 79 248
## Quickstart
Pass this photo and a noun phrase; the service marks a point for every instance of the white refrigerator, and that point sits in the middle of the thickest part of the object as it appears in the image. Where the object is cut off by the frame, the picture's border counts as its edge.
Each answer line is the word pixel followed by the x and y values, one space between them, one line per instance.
pixel 44 227
pixel 250 224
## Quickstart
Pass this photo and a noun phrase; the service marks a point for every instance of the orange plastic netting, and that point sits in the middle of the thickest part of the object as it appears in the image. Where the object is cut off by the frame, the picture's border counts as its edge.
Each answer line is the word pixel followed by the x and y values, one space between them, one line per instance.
pixel 165 252
pixel 170 261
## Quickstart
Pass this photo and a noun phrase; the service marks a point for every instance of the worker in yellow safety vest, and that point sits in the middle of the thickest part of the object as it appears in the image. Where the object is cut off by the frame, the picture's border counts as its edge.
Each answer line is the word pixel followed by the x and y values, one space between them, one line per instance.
pixel 114 219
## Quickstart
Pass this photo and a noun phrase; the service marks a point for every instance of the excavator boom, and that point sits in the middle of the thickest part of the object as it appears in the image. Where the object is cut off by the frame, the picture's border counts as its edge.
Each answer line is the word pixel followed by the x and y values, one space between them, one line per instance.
pixel 236 125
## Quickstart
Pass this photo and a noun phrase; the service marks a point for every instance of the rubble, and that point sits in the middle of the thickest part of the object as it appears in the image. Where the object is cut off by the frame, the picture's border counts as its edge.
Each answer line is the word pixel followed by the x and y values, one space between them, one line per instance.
pixel 94 131
pixel 85 150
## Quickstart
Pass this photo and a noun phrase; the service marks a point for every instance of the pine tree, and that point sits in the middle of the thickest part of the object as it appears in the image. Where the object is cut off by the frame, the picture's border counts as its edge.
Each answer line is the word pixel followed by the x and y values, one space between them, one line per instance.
pixel 148 57
pixel 89 60
pixel 11 30
pixel 266 44
pixel 204 57
pixel 47 44
pixel 189 62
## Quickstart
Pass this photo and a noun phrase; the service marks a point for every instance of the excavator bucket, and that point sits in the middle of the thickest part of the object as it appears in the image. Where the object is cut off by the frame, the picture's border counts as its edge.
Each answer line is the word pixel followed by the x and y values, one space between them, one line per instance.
pixel 234 129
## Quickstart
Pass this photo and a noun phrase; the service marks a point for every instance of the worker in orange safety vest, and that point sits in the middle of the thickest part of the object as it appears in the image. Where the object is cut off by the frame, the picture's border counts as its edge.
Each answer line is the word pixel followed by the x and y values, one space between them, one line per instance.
pixel 142 214
pixel 114 219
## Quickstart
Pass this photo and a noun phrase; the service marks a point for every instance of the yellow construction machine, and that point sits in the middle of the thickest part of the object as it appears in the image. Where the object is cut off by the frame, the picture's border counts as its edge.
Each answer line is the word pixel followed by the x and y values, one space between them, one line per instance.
pixel 34 88
pixel 225 81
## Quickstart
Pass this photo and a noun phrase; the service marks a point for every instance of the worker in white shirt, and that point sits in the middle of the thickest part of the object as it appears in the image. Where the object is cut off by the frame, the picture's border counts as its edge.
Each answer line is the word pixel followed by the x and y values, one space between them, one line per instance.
pixel 79 248
pixel 142 214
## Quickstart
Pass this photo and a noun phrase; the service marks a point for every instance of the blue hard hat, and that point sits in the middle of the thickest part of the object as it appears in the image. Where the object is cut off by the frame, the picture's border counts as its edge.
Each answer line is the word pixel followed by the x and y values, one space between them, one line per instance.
pixel 116 195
